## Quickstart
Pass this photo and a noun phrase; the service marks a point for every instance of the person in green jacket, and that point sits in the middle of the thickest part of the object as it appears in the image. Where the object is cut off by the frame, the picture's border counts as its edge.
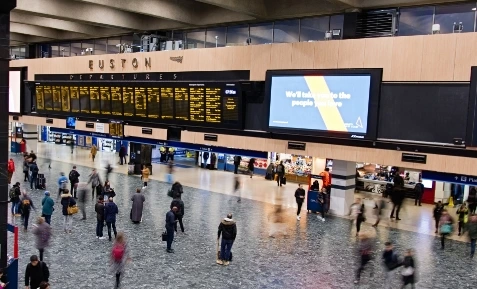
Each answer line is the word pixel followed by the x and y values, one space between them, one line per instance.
pixel 48 206
pixel 463 214
pixel 472 231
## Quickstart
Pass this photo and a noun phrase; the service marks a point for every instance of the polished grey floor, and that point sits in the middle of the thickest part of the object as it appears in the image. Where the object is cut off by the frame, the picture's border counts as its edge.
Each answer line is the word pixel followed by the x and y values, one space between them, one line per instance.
pixel 312 255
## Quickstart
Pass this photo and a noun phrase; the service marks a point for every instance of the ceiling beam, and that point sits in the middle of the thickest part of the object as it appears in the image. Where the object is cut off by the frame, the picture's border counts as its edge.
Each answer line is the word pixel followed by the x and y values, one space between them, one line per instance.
pixel 24 18
pixel 397 3
pixel 93 14
pixel 255 8
pixel 352 3
pixel 45 32
pixel 27 38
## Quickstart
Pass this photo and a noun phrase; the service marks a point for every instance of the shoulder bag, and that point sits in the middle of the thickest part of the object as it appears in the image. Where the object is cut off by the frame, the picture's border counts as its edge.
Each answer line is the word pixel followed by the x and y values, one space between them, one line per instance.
pixel 71 210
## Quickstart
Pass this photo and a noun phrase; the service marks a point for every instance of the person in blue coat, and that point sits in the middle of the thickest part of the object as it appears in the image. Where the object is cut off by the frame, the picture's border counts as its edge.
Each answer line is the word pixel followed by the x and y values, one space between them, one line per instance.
pixel 48 206
pixel 110 212
pixel 62 183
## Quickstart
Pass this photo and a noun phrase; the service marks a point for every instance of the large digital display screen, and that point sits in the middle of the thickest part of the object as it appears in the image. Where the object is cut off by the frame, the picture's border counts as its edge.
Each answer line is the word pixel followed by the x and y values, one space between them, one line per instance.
pixel 328 103
pixel 14 91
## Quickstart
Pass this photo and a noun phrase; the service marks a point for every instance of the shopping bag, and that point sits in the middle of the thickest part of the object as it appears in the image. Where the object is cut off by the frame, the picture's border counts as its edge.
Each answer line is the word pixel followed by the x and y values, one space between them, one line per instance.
pixel 284 181
pixel 276 177
pixel 164 236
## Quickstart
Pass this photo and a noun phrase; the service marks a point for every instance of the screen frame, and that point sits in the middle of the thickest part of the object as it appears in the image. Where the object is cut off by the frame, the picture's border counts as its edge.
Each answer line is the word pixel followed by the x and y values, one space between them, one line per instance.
pixel 373 103
pixel 23 78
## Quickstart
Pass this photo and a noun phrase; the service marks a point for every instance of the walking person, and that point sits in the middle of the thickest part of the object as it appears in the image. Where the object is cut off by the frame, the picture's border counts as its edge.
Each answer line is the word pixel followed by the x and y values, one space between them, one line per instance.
pixel 62 183
pixel 179 204
pixel 145 175
pixel 300 198
pixel 122 155
pixel 33 174
pixel 67 201
pixel 446 226
pixel 48 206
pixel 93 151
pixel 26 169
pixel 251 166
pixel 82 198
pixel 280 173
pixel 95 182
pixel 397 197
pixel 472 200
pixel 463 215
pixel 365 254
pixel 322 203
pixel 42 231
pixel 170 224
pixel 27 205
pixel 110 212
pixel 237 160
pixel 35 273
pixel 472 231
pixel 237 188
pixel 358 211
pixel 119 258
pixel 270 170
pixel 437 213
pixel 10 170
pixel 408 270
pixel 74 180
pixel 14 195
pixel 391 262
pixel 228 230
pixel 99 209
pixel 379 206
pixel 138 200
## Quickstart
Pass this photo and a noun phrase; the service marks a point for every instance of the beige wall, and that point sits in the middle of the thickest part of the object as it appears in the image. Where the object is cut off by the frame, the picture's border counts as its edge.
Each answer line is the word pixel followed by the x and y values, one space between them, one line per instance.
pixel 444 57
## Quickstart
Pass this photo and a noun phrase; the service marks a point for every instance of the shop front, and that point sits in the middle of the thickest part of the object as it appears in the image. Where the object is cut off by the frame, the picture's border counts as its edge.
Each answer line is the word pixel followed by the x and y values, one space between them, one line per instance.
pixel 104 142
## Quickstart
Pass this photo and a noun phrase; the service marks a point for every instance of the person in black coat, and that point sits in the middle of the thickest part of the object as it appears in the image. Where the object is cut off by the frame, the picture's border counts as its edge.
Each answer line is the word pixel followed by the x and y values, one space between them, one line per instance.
pixel 110 212
pixel 237 160
pixel 36 272
pixel 437 213
pixel 122 155
pixel 419 189
pixel 251 166
pixel 99 209
pixel 74 180
pixel 170 224
pixel 228 230
pixel 179 204
pixel 300 198
pixel 177 190
pixel 397 197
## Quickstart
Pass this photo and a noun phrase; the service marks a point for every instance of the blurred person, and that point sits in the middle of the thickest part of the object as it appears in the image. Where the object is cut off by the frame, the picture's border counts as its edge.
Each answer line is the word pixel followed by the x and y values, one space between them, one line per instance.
pixel 27 205
pixel 270 170
pixel 237 188
pixel 14 195
pixel 3 279
pixel 179 204
pixel 138 200
pixel 463 216
pixel 99 209
pixel 35 273
pixel 300 198
pixel 48 206
pixel 391 262
pixel 379 206
pixel 93 151
pixel 419 190
pixel 446 226
pixel 321 200
pixel 169 176
pixel 145 175
pixel 228 230
pixel 32 156
pixel 33 174
pixel 358 212
pixel 108 192
pixel 119 258
pixel 472 231
pixel 365 254
pixel 177 190
pixel 110 212
pixel 95 182
pixel 26 168
pixel 74 180
pixel 251 166
pixel 67 200
pixel 109 170
pixel 62 183
pixel 280 173
pixel 277 219
pixel 42 231
pixel 82 198
pixel 10 170
pixel 437 213
pixel 237 160
pixel 408 269
pixel 122 155
pixel 326 178
pixel 472 200
pixel 170 224
pixel 397 197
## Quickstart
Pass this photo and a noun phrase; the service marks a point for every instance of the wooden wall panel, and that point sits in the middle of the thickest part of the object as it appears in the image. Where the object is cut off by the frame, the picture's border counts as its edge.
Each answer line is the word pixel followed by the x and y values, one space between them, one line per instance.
pixel 189 62
pixel 465 55
pixel 242 56
pixel 81 125
pixel 407 58
pixel 259 61
pixel 378 54
pixel 351 53
pixel 281 56
pixel 319 150
pixel 303 54
pixel 159 133
pixel 326 54
pixel 207 59
pixel 188 136
pixel 224 58
pixel 438 57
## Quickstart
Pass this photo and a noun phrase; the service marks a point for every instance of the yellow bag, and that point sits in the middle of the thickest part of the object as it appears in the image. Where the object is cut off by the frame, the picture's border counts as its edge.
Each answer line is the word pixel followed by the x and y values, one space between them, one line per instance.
pixel 72 210
pixel 276 178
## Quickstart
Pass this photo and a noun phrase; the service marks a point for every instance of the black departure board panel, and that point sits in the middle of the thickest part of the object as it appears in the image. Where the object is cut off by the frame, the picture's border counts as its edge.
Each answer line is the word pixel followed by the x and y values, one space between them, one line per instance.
pixel 116 100
pixel 212 104
pixel 94 99
pixel 128 101
pixel 75 98
pixel 65 98
pixel 84 99
pixel 105 100
pixel 40 97
pixel 116 129
pixel 197 103
pixel 140 101
pixel 153 102
pixel 167 103
pixel 56 92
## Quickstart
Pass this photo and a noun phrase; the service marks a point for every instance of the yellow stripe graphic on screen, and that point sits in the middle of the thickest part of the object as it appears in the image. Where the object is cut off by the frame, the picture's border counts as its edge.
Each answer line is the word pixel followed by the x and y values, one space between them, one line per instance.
pixel 330 114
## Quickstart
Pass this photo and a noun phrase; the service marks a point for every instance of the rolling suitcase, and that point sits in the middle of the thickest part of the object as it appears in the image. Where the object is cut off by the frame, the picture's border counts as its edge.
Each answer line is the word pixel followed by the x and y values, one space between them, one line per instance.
pixel 41 182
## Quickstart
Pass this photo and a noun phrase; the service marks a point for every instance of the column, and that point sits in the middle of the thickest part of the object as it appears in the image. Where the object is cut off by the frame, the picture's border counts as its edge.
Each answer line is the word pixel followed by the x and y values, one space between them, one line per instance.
pixel 5 8
pixel 30 134
pixel 343 183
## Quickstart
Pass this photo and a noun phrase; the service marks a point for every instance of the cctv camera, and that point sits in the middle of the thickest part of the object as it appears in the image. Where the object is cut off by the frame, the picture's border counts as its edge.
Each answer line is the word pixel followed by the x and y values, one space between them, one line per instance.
pixel 216 37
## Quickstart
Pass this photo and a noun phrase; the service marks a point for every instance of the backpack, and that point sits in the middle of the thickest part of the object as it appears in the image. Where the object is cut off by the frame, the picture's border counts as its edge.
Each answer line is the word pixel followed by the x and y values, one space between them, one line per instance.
pixel 26 203
pixel 279 169
pixel 72 176
pixel 118 252
pixel 12 193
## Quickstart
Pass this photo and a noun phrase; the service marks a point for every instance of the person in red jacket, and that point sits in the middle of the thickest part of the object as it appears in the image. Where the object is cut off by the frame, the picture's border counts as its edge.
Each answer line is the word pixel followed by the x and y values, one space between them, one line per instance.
pixel 11 170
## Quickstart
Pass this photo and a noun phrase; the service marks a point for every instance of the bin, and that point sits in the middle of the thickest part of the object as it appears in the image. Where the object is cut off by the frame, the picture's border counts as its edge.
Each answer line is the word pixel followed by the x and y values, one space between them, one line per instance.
pixel 130 169
pixel 312 203
pixel 15 147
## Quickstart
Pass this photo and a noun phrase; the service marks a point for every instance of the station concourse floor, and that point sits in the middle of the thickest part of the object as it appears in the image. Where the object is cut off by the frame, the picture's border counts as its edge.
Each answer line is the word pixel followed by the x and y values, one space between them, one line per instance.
pixel 313 254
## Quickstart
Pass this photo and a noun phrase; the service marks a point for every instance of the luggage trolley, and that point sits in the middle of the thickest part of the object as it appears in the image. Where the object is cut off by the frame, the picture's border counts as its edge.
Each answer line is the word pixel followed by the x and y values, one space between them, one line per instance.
pixel 312 203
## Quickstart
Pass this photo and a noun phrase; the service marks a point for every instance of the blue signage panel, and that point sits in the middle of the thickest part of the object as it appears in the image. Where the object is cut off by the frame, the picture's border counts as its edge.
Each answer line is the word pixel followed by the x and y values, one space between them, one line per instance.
pixel 450 178
pixel 79 132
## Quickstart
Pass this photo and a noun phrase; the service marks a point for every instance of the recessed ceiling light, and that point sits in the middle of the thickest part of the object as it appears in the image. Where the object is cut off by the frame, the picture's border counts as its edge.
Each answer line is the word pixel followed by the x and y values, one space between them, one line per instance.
pixel 473 9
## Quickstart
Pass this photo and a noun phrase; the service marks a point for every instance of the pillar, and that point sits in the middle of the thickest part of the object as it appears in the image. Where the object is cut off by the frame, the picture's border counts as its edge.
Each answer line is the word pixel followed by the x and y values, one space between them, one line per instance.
pixel 5 8
pixel 30 134
pixel 343 183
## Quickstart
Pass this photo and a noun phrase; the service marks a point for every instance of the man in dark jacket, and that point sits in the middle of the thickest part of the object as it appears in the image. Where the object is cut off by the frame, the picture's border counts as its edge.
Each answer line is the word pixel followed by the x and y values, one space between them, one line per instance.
pixel 34 174
pixel 26 168
pixel 237 160
pixel 300 197
pixel 280 173
pixel 110 212
pixel 419 189
pixel 177 190
pixel 179 204
pixel 14 195
pixel 99 209
pixel 170 224
pixel 74 180
pixel 438 213
pixel 122 155
pixel 35 273
pixel 397 197
pixel 228 230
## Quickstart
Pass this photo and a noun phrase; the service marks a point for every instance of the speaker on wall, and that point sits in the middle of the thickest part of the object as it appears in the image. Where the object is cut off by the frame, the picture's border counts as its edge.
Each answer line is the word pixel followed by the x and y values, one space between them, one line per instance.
pixel 253 91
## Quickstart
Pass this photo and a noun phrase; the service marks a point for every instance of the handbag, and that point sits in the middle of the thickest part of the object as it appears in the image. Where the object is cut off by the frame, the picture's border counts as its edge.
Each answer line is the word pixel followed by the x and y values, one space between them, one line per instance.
pixel 446 229
pixel 164 236
pixel 71 210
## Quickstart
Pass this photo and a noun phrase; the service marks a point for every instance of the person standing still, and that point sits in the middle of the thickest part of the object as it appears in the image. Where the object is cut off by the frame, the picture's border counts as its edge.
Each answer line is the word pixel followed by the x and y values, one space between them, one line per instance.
pixel 300 198
pixel 397 197
pixel 472 231
pixel 228 230
pixel 95 182
pixel 237 160
pixel 280 173
pixel 42 231
pixel 82 199
pixel 26 168
pixel 179 204
pixel 14 195
pixel 110 212
pixel 35 273
pixel 62 183
pixel 94 150
pixel 463 215
pixel 419 190
pixel 67 201
pixel 138 200
pixel 122 155
pixel 74 180
pixel 11 170
pixel 48 206
pixel 34 174
pixel 170 224
pixel 99 209
pixel 251 166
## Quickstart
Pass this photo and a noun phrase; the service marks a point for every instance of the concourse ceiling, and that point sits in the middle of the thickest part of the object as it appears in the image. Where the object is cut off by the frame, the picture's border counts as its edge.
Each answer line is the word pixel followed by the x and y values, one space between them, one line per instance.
pixel 58 20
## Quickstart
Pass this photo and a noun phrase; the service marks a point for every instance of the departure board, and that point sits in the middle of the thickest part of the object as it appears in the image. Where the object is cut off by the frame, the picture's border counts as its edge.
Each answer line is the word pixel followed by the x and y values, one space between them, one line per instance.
pixel 94 99
pixel 40 98
pixel 181 100
pixel 48 97
pixel 231 109
pixel 74 98
pixel 140 101
pixel 128 101
pixel 116 101
pixel 116 129
pixel 212 105
pixel 65 98
pixel 197 104
pixel 153 97
pixel 56 92
pixel 105 100
pixel 84 99
pixel 167 103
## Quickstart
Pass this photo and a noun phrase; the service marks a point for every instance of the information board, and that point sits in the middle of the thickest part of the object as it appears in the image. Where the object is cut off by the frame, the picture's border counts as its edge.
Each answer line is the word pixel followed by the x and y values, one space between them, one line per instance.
pixel 48 97
pixel 128 101
pixel 181 102
pixel 105 100
pixel 85 106
pixel 197 103
pixel 153 102
pixel 40 97
pixel 230 109
pixel 116 129
pixel 140 101
pixel 65 98
pixel 116 100
pixel 56 92
pixel 74 98
pixel 94 99
pixel 212 105
pixel 167 103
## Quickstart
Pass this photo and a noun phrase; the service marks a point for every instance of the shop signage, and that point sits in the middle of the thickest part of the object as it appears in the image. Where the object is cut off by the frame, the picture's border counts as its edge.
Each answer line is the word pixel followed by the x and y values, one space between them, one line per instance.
pixel 414 158
pixel 79 132
pixel 15 117
pixel 112 63
pixel 177 59
pixel 300 146
pixel 146 130
pixel 90 124
pixel 450 178
pixel 49 120
pixel 100 127
pixel 211 137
